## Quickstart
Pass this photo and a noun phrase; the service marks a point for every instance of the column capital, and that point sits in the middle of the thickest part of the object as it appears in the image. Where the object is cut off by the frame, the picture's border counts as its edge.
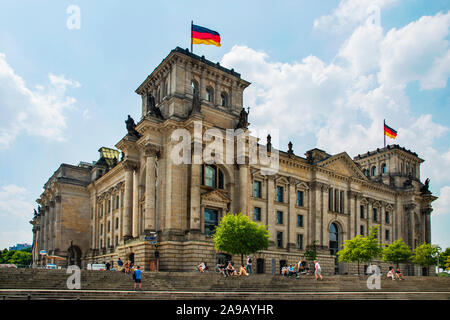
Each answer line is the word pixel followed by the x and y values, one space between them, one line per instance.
pixel 130 165
pixel 152 150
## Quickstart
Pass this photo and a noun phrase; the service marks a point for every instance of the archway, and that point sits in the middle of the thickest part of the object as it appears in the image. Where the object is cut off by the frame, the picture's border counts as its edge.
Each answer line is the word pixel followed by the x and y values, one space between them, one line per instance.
pixel 334 244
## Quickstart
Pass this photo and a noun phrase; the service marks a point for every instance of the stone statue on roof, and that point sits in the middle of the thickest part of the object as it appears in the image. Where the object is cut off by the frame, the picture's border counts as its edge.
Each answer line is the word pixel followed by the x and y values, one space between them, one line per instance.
pixel 131 127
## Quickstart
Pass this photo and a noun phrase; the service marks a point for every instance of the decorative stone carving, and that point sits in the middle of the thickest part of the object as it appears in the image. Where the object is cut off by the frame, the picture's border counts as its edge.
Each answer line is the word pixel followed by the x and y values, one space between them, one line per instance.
pixel 131 127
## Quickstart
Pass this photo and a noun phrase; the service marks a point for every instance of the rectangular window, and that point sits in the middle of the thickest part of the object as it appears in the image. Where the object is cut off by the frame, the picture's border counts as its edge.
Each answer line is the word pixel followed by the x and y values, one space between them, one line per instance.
pixel 387 217
pixel 280 239
pixel 336 198
pixel 300 198
pixel 257 189
pixel 361 208
pixel 300 241
pixel 341 207
pixel 101 229
pixel 211 221
pixel 330 199
pixel 109 226
pixel 117 202
pixel 300 221
pixel 117 223
pixel 361 230
pixel 279 217
pixel 387 235
pixel 257 214
pixel 279 194
pixel 375 214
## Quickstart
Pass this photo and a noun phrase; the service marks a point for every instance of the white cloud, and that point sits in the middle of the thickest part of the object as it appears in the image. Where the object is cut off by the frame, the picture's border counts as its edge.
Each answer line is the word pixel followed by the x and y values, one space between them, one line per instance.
pixel 442 205
pixel 417 52
pixel 352 13
pixel 38 112
pixel 16 210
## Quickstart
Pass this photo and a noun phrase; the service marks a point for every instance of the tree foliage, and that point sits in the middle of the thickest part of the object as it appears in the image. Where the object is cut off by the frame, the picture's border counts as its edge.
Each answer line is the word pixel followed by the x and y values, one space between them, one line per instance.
pixel 443 257
pixel 237 234
pixel 361 249
pixel 311 251
pixel 397 252
pixel 425 255
pixel 17 257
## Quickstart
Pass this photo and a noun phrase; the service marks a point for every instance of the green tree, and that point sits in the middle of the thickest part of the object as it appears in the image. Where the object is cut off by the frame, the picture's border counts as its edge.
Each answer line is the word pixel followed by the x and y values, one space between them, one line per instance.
pixel 447 263
pixel 426 255
pixel 361 249
pixel 397 252
pixel 20 257
pixel 311 251
pixel 237 234
pixel 443 258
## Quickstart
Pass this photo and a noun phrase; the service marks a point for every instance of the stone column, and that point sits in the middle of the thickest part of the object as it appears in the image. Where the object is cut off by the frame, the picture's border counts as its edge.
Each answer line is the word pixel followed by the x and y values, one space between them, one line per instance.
pixel 357 201
pixel 150 189
pixel 196 181
pixel 51 226
pixel 94 223
pixel 369 215
pixel 113 219
pixel 427 222
pixel 128 201
pixel 351 214
pixel 243 188
pixel 135 218
pixel 291 214
pixel 121 196
pixel 58 212
pixel 270 217
pixel 382 223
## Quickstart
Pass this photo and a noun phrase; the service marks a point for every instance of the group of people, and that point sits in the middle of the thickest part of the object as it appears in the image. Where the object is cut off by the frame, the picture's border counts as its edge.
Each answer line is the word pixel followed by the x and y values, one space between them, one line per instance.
pixel 294 270
pixel 395 274
pixel 228 269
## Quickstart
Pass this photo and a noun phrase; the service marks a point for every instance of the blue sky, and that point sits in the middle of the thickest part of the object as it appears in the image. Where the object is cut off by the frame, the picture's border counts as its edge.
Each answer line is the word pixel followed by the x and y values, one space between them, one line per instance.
pixel 64 92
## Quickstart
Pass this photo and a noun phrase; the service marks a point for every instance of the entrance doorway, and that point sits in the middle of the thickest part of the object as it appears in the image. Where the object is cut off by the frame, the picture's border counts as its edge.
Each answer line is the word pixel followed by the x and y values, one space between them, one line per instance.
pixel 260 266
pixel 334 245
pixel 131 258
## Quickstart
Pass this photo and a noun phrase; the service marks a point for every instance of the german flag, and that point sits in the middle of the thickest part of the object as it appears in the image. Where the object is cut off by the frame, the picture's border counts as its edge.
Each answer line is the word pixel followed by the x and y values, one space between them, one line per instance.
pixel 388 131
pixel 202 35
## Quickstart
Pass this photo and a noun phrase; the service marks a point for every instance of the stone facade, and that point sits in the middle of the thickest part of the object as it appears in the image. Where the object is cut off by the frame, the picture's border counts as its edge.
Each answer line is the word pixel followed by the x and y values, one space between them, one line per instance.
pixel 145 205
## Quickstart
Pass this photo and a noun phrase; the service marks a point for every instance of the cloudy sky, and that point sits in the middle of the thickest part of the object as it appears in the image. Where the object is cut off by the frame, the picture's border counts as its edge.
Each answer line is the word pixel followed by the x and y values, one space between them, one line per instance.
pixel 326 75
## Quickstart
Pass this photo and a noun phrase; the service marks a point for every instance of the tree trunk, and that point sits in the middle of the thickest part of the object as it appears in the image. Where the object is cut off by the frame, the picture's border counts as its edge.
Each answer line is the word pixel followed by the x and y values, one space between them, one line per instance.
pixel 242 258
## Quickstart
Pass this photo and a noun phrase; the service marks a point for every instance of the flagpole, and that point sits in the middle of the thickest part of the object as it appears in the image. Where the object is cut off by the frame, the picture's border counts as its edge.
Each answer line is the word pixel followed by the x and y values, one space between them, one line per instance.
pixel 192 26
pixel 384 133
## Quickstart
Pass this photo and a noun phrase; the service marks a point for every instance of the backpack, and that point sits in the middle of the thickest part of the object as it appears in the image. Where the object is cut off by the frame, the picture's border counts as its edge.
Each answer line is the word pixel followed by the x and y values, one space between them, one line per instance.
pixel 249 260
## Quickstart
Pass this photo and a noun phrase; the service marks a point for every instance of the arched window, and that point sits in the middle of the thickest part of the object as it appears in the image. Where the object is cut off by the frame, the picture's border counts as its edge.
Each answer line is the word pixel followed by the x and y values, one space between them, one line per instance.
pixel 212 176
pixel 365 171
pixel 374 171
pixel 383 168
pixel 334 239
pixel 194 87
pixel 209 94
pixel 223 99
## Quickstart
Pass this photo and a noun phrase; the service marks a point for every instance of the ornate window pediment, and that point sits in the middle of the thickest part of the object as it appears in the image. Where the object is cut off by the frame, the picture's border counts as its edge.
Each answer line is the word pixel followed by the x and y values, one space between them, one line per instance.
pixel 215 198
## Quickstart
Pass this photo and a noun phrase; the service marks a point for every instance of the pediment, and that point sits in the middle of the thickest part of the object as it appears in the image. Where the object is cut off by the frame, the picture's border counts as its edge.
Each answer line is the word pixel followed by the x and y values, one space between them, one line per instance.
pixel 344 165
pixel 215 196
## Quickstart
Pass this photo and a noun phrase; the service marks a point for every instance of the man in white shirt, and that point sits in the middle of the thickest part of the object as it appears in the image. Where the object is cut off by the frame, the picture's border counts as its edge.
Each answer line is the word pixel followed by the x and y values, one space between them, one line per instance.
pixel 318 270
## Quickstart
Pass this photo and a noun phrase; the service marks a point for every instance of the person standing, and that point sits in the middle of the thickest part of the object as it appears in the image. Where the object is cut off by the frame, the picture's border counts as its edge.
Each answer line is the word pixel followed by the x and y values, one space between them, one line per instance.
pixel 318 270
pixel 249 265
pixel 137 276
pixel 119 264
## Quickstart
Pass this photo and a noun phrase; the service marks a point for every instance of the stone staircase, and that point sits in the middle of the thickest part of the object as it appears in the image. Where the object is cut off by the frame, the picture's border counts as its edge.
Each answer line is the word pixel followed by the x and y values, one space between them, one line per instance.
pixel 52 284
